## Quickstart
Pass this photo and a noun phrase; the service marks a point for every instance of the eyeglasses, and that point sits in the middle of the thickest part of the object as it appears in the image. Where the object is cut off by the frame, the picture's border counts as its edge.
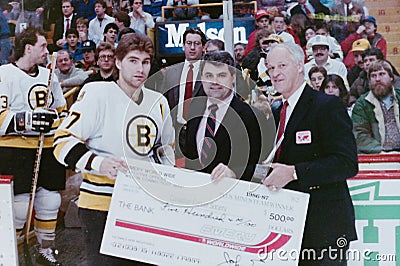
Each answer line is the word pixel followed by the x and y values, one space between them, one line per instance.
pixel 190 43
pixel 268 42
pixel 319 48
pixel 106 56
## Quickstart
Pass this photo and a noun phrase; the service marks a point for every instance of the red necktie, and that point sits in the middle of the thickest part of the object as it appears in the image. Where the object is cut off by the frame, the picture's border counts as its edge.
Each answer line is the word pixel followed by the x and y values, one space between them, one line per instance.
pixel 188 91
pixel 281 129
pixel 309 14
pixel 208 136
pixel 67 27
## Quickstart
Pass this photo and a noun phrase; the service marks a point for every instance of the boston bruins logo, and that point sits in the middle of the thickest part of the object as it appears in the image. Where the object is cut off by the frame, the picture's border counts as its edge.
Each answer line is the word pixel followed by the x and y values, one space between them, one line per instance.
pixel 37 96
pixel 141 134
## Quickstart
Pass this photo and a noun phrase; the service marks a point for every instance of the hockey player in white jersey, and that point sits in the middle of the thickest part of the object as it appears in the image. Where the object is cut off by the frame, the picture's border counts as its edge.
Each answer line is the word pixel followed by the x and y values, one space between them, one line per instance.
pixel 23 115
pixel 111 121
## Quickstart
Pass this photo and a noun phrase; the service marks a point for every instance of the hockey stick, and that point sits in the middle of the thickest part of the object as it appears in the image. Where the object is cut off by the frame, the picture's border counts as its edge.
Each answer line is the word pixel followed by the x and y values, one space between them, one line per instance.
pixel 27 254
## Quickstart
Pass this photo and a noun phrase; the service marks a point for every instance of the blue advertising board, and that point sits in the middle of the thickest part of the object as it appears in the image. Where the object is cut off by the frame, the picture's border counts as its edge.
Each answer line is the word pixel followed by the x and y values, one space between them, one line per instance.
pixel 169 35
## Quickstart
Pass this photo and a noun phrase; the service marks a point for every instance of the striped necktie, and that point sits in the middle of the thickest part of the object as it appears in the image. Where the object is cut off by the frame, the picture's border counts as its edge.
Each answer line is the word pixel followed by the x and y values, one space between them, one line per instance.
pixel 208 143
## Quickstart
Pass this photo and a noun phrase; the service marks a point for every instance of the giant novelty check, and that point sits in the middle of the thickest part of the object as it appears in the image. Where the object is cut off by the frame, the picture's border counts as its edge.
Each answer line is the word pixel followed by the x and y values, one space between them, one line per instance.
pixel 169 216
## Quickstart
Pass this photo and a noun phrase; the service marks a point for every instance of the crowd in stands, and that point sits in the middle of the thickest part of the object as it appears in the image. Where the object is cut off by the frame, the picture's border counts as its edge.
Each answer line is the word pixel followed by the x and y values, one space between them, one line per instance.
pixel 339 38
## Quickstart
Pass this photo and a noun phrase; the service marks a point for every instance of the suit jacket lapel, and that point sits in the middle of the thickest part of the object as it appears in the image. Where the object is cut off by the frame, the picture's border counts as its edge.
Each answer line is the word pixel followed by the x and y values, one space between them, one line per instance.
pixel 300 110
pixel 198 86
pixel 226 122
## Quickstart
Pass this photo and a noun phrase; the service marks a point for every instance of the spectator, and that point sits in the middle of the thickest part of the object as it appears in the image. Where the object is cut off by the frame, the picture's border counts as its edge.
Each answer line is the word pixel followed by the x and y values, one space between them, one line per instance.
pixel 183 13
pixel 73 45
pixel 122 20
pixel 67 74
pixel 309 32
pixel 82 26
pixel 316 75
pixel 270 4
pixel 309 8
pixel 88 64
pixel 279 25
pixel 298 23
pixel 211 12
pixel 214 45
pixel 66 22
pixel 110 34
pixel 263 81
pixel 97 25
pixel 343 13
pixel 357 49
pixel 154 7
pixel 84 9
pixel 5 42
pixel 140 20
pixel 251 61
pixel 105 56
pixel 335 51
pixel 115 6
pixel 334 85
pixel 352 25
pixel 366 31
pixel 125 31
pixel 375 114
pixel 34 12
pixel 361 84
pixel 262 22
pixel 320 49
pixel 239 49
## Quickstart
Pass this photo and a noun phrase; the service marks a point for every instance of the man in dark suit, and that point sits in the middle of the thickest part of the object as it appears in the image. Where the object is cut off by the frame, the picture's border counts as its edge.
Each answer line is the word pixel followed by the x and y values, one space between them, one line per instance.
pixel 224 134
pixel 182 82
pixel 318 153
pixel 67 21
pixel 309 8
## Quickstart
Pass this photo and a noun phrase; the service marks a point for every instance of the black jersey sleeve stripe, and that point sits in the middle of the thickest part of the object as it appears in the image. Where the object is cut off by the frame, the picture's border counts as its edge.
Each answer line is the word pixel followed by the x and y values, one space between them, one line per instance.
pixel 75 154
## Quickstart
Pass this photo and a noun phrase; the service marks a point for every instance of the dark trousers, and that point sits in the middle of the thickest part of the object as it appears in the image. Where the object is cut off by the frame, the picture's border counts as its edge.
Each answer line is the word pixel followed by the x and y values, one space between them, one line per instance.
pixel 93 227
pixel 332 256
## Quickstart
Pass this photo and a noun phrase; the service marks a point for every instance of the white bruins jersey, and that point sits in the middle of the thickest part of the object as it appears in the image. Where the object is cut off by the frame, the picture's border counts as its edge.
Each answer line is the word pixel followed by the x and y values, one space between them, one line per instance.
pixel 106 122
pixel 22 92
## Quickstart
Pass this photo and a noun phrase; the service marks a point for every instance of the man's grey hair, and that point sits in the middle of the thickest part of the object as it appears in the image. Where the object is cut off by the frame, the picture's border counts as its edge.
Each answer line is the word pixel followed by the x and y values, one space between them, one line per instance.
pixel 297 54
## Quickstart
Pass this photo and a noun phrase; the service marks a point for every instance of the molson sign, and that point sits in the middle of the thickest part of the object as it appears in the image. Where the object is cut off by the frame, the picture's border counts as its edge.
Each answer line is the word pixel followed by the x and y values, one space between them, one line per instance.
pixel 169 35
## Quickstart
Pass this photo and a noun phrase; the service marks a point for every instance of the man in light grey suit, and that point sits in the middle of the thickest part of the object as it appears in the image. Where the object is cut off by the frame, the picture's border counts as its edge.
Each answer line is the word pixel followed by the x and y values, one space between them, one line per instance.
pixel 182 82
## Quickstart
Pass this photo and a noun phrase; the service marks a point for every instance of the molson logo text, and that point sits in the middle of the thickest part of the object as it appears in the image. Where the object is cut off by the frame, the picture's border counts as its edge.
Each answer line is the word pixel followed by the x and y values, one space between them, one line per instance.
pixel 170 35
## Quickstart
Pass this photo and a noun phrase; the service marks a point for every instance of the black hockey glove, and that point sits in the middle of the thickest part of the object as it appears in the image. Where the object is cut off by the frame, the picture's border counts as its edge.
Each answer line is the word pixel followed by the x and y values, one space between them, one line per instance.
pixel 40 120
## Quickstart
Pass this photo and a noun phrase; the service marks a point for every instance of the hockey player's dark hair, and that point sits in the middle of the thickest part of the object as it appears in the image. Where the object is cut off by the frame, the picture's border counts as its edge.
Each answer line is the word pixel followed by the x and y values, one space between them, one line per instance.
pixel 134 41
pixel 28 36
